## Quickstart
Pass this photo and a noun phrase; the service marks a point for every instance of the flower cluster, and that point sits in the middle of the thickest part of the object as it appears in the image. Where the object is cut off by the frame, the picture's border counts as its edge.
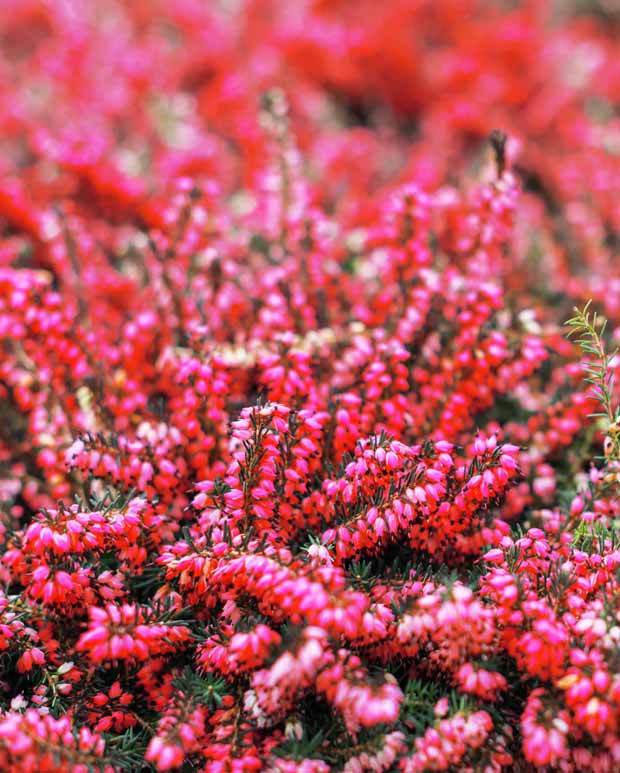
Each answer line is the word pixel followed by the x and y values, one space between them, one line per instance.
pixel 300 469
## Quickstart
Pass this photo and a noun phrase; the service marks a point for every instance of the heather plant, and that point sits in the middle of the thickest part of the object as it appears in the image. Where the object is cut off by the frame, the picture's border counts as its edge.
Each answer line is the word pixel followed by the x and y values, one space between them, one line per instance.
pixel 300 467
pixel 601 375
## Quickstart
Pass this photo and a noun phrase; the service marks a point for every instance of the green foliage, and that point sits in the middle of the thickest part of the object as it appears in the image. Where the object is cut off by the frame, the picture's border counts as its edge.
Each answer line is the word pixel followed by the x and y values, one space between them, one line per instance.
pixel 207 690
pixel 418 707
pixel 590 330
pixel 126 752
pixel 595 537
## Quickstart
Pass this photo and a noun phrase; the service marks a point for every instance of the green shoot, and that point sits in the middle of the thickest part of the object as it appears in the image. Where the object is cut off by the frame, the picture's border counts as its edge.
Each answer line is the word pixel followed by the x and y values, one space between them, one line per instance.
pixel 589 329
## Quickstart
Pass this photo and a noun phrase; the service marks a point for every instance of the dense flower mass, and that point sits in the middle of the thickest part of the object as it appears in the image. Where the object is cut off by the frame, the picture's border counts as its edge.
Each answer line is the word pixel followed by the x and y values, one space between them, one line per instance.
pixel 300 467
